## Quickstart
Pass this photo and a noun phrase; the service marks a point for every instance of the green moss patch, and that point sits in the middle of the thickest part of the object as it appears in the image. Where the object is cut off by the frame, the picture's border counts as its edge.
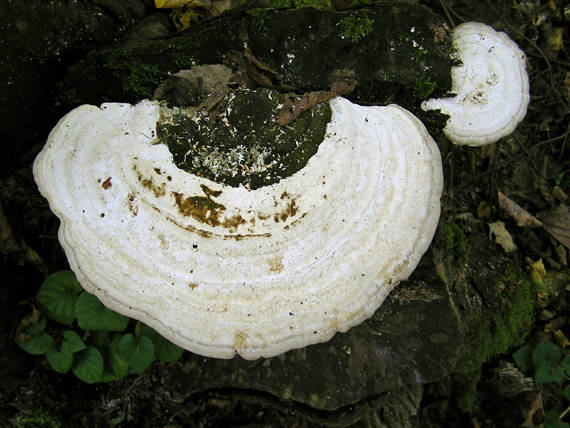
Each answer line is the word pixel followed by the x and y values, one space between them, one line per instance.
pixel 137 77
pixel 495 332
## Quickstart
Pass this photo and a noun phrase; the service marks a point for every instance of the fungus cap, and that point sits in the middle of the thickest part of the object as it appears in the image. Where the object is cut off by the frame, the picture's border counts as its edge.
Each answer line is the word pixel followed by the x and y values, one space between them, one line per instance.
pixel 221 270
pixel 490 86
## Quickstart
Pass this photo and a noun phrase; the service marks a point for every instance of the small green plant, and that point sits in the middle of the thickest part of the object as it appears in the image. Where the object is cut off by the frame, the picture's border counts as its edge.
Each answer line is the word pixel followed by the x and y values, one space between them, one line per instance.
pixel 88 338
pixel 136 76
pixel 423 88
pixel 549 366
pixel 260 19
pixel 546 361
pixel 559 177
pixel 315 4
pixel 355 27
pixel 280 4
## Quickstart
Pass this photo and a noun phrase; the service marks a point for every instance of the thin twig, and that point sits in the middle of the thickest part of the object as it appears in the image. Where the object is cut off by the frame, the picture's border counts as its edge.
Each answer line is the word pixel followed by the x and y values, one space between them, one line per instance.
pixel 522 146
pixel 538 49
pixel 446 11
pixel 511 159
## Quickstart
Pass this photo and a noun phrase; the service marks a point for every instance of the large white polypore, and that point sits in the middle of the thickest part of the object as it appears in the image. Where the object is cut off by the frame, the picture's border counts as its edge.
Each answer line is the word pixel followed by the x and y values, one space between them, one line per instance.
pixel 490 86
pixel 221 270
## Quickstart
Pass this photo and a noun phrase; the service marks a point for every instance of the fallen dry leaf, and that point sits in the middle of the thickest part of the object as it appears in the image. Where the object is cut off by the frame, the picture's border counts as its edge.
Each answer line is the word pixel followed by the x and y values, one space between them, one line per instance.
pixel 555 41
pixel 292 107
pixel 521 216
pixel 529 413
pixel 557 223
pixel 547 328
pixel 14 246
pixel 537 272
pixel 501 236
pixel 483 210
pixel 560 339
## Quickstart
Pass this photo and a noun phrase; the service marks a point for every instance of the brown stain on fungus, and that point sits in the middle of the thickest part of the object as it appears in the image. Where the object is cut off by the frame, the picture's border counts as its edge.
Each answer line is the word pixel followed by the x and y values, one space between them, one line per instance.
pixel 240 339
pixel 205 211
pixel 133 207
pixel 289 211
pixel 107 184
pixel 209 192
pixel 192 285
pixel 158 190
pixel 400 268
pixel 276 265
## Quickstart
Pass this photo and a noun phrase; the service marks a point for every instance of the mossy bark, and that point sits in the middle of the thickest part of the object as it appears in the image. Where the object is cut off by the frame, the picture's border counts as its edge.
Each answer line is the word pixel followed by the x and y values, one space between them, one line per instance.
pixel 403 57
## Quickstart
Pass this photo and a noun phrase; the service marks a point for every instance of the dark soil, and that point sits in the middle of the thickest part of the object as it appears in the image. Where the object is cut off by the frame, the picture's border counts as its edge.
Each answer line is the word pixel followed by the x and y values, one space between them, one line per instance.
pixel 531 167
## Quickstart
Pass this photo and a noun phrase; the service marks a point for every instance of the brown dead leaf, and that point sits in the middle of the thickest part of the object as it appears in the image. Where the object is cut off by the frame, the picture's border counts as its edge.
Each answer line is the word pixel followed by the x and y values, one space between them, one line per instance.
pixel 555 42
pixel 30 319
pixel 529 413
pixel 499 234
pixel 521 216
pixel 15 247
pixel 293 107
pixel 483 210
pixel 537 272
pixel 557 223
pixel 259 64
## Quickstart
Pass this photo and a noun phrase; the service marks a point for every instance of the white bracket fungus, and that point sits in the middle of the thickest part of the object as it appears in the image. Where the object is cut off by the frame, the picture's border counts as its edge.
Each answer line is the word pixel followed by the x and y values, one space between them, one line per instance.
pixel 490 86
pixel 221 270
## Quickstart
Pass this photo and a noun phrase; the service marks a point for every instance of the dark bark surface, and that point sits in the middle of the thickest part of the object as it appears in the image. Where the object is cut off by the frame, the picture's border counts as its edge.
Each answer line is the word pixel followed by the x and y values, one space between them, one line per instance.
pixel 418 359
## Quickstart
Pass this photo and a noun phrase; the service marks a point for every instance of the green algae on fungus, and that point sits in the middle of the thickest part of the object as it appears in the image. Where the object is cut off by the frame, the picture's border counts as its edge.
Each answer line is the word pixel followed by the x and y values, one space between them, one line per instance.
pixel 239 142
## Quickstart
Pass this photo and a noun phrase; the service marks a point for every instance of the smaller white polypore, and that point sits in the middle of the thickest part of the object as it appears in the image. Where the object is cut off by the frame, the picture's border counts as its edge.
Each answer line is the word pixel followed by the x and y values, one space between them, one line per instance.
pixel 490 86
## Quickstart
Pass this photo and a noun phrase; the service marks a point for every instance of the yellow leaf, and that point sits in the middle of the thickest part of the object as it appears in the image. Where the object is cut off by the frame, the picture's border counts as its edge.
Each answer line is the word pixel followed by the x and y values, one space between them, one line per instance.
pixel 185 17
pixel 560 339
pixel 537 272
pixel 170 4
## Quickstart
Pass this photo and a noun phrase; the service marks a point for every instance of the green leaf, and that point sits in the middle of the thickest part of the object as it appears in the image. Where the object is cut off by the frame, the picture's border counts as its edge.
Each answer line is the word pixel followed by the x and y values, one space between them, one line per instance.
pixel 566 364
pixel 552 420
pixel 139 353
pixel 57 295
pixel 38 328
pixel 523 358
pixel 116 367
pixel 89 365
pixel 60 361
pixel 567 392
pixel 546 354
pixel 164 350
pixel 92 315
pixel 545 374
pixel 72 343
pixel 35 345
pixel 100 339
